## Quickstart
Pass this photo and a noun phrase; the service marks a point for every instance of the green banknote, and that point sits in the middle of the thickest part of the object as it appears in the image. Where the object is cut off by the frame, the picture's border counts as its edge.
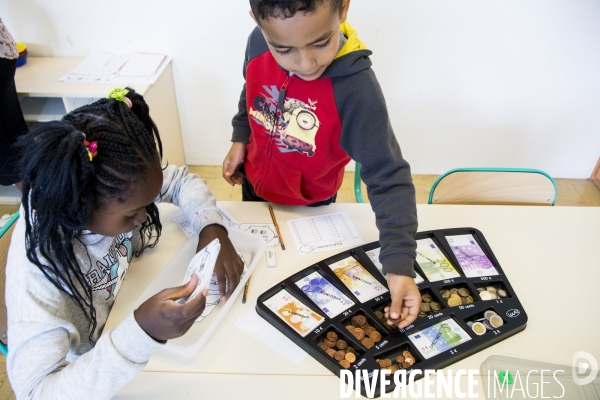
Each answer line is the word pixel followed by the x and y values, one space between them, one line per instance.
pixel 433 262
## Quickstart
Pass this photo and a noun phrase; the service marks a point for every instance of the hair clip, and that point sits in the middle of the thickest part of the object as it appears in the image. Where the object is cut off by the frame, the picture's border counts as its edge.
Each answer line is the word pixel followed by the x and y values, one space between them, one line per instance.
pixel 119 94
pixel 92 148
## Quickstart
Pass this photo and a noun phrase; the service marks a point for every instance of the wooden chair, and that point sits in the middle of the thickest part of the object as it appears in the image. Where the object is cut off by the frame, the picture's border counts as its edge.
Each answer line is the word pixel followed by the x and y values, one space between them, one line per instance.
pixel 499 186
pixel 5 235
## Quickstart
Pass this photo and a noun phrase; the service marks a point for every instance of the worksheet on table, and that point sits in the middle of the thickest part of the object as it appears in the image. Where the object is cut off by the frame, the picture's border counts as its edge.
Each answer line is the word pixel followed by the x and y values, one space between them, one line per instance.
pixel 324 232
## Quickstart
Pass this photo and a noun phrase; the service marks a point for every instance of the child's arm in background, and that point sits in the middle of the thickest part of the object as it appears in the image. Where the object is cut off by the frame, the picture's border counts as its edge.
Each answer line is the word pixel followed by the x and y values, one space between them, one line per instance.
pixel 240 123
pixel 368 138
pixel 239 139
pixel 199 205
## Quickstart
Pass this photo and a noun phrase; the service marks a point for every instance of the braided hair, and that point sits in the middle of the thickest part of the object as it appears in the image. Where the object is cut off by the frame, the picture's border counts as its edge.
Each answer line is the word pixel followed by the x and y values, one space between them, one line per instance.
pixel 60 184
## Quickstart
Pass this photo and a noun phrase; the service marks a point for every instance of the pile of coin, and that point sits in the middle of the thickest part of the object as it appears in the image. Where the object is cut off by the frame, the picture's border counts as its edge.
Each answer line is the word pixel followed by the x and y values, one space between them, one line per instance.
pixel 491 293
pixel 364 332
pixel 428 306
pixel 381 317
pixel 457 296
pixel 406 360
pixel 338 349
pixel 489 322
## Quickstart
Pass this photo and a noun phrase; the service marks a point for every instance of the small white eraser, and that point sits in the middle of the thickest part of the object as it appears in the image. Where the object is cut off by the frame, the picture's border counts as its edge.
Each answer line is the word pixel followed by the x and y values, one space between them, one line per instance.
pixel 270 258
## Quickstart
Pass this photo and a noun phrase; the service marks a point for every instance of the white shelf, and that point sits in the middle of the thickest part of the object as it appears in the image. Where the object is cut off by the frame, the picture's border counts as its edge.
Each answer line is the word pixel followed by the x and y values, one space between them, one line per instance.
pixel 42 108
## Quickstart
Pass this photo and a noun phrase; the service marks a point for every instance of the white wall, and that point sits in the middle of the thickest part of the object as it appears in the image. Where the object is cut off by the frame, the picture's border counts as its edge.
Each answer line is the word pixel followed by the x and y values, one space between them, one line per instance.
pixel 513 83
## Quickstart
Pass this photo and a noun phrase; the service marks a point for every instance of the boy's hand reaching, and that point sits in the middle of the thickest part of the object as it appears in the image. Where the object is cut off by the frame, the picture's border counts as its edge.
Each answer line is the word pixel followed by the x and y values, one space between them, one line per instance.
pixel 406 300
pixel 162 317
pixel 232 163
pixel 229 266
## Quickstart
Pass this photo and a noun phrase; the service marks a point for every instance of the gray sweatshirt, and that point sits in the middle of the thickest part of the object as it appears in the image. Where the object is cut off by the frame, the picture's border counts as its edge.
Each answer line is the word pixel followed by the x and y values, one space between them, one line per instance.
pixel 50 354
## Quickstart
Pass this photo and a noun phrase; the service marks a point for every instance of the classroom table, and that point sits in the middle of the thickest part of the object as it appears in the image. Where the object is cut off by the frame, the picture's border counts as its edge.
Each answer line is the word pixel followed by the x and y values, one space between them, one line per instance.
pixel 549 255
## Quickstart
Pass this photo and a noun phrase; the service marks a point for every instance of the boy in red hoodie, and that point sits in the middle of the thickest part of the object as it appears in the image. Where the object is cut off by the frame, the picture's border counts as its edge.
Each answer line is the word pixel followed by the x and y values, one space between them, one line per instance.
pixel 310 104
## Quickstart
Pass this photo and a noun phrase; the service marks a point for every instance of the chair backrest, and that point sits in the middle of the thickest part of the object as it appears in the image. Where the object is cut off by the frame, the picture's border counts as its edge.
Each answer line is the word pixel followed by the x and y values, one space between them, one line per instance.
pixel 357 184
pixel 5 235
pixel 494 186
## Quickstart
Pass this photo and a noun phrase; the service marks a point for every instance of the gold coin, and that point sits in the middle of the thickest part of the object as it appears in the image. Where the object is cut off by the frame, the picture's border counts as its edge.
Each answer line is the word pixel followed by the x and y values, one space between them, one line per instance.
pixel 399 359
pixel 345 364
pixel 350 328
pixel 341 344
pixel 339 355
pixel 409 360
pixel 375 336
pixel 469 299
pixel 363 321
pixel 367 342
pixel 426 298
pixel 356 321
pixel 351 357
pixel 491 289
pixel 489 313
pixel 405 365
pixel 485 295
pixel 496 321
pixel 478 328
pixel 463 300
pixel 330 351
pixel 358 333
pixel 422 314
pixel 381 363
pixel 328 342
pixel 332 336
pixel 425 307
pixel 480 289
pixel 350 350
pixel 445 294
pixel 322 346
pixel 463 292
pixel 453 291
pixel 454 301
pixel 435 306
pixel 406 353
pixel 379 314
pixel 369 329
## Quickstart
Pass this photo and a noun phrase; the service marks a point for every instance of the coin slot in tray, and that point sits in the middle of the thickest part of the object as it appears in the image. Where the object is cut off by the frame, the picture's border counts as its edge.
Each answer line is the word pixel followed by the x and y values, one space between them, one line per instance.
pixel 457 295
pixel 430 303
pixel 500 290
pixel 484 322
pixel 364 329
pixel 400 357
pixel 379 312
pixel 331 347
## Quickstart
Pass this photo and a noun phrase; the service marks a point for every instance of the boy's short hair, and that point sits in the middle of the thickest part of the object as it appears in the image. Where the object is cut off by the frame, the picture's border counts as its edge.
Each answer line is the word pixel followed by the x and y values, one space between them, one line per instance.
pixel 263 9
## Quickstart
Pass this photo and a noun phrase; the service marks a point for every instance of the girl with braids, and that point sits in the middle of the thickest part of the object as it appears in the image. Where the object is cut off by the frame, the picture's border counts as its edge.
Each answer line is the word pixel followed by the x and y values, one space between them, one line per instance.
pixel 90 182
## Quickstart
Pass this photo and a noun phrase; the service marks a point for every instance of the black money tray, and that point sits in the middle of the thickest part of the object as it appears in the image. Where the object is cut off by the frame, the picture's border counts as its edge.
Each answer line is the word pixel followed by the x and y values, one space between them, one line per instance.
pixel 394 342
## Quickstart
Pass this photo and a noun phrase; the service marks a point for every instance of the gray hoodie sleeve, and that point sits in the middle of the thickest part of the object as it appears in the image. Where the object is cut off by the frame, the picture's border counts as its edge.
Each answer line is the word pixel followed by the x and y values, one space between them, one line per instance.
pixel 368 138
pixel 191 194
pixel 241 126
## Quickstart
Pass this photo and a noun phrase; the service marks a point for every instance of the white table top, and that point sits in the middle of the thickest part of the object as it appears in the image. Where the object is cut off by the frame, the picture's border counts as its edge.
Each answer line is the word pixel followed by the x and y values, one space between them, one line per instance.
pixel 547 253
pixel 39 78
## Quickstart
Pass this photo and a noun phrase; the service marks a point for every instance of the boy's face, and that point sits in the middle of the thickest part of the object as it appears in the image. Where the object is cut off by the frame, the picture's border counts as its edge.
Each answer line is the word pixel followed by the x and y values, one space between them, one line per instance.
pixel 306 43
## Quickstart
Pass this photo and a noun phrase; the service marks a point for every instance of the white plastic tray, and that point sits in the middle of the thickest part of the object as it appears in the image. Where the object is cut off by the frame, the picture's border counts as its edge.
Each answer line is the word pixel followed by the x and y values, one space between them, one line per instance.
pixel 251 246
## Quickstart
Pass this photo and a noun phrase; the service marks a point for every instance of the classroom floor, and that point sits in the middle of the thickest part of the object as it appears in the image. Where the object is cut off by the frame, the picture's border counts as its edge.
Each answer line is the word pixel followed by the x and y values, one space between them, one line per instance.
pixel 571 192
